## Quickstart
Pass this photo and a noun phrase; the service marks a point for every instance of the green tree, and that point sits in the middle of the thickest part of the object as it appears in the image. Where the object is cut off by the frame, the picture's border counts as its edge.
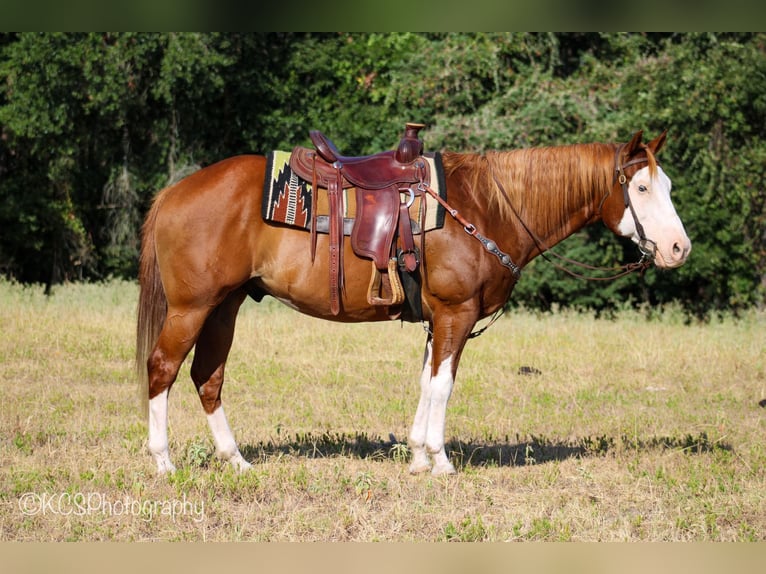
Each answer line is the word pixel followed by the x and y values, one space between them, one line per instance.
pixel 92 125
pixel 710 92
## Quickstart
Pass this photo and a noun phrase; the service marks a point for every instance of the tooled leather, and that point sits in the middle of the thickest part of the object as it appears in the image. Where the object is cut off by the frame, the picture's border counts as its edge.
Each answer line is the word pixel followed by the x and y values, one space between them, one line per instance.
pixel 377 214
pixel 377 171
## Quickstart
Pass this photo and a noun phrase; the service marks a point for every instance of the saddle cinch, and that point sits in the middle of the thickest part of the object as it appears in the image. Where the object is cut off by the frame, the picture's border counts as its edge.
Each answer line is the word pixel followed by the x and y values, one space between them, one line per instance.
pixel 385 185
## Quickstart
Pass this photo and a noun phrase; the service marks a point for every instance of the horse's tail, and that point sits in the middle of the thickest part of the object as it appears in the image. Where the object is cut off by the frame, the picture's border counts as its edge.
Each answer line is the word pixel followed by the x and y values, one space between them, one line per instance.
pixel 152 305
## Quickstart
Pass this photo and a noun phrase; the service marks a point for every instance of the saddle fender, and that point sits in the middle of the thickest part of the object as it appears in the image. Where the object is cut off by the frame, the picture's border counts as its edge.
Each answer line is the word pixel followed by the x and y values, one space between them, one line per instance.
pixel 377 215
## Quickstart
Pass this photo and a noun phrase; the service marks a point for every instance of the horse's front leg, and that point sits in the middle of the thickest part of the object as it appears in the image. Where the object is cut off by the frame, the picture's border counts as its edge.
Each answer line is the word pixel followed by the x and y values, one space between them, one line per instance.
pixel 443 352
pixel 417 439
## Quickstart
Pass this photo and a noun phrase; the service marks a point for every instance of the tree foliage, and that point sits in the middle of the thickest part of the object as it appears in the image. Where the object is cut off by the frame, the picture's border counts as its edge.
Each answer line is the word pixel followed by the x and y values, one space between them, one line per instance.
pixel 93 124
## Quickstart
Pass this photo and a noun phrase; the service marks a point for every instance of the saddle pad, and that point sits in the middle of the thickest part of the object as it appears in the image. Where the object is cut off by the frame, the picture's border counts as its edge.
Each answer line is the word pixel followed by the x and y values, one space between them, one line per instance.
pixel 287 198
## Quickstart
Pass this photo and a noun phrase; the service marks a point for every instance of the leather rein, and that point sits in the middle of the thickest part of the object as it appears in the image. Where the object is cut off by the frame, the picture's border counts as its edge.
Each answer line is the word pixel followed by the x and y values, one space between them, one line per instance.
pixel 647 247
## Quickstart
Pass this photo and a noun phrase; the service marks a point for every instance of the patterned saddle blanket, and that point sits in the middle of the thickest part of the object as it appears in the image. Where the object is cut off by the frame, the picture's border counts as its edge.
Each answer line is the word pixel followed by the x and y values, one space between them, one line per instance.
pixel 288 199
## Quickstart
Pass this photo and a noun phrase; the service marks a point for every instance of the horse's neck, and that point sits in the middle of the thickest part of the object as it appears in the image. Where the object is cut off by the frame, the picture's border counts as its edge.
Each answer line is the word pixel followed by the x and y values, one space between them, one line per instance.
pixel 551 193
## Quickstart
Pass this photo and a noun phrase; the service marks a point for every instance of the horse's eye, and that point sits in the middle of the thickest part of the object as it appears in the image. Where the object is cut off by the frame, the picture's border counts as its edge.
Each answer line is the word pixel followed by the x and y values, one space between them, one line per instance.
pixel 642 188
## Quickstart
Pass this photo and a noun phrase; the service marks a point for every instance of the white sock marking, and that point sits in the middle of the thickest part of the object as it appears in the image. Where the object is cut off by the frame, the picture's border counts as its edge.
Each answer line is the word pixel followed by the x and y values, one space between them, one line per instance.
pixel 441 389
pixel 225 445
pixel 427 434
pixel 417 438
pixel 158 432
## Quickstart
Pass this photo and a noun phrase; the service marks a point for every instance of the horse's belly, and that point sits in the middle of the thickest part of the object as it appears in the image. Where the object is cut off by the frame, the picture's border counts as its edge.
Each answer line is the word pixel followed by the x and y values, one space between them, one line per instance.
pixel 290 276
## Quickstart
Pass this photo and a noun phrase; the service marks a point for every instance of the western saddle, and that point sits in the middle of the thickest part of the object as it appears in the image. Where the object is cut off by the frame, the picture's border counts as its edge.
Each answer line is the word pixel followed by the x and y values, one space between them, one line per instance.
pixel 381 229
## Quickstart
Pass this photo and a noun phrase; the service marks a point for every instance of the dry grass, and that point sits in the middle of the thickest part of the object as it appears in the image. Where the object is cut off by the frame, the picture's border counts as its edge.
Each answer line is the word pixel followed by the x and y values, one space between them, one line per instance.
pixel 632 430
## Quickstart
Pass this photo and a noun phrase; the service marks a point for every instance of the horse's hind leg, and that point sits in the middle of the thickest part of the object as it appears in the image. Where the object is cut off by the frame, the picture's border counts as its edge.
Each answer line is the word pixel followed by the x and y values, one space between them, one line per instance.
pixel 207 372
pixel 176 339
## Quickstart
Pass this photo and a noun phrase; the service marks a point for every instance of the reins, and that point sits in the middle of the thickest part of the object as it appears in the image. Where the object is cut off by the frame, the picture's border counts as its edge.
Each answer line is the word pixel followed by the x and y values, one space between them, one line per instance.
pixel 646 246
pixel 641 265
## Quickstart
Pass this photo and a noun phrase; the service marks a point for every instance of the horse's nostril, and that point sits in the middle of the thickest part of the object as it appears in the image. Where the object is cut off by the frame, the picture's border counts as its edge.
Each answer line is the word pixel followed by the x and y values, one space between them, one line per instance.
pixel 680 250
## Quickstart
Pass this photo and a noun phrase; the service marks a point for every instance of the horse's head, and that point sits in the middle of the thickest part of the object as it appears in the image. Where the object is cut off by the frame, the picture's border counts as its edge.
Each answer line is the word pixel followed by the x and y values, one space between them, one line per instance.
pixel 639 205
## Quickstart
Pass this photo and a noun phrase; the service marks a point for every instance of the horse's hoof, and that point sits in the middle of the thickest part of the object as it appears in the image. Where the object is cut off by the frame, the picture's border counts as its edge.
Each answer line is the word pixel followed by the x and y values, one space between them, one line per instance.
pixel 239 463
pixel 443 470
pixel 419 468
pixel 164 466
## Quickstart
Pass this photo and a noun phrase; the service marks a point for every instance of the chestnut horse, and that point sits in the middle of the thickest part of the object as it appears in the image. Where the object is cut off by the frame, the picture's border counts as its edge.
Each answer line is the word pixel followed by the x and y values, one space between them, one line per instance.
pixel 206 248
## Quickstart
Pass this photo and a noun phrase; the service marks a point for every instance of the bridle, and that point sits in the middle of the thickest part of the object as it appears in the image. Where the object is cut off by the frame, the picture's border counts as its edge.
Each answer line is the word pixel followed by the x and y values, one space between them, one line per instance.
pixel 647 247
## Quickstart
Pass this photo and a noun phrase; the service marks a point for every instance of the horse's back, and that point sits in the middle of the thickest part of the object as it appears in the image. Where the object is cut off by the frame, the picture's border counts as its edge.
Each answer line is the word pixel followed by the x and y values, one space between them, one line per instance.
pixel 211 239
pixel 217 182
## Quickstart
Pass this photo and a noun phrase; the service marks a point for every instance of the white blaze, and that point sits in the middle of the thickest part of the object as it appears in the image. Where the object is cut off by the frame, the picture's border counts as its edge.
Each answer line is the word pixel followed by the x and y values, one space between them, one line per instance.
pixel 654 209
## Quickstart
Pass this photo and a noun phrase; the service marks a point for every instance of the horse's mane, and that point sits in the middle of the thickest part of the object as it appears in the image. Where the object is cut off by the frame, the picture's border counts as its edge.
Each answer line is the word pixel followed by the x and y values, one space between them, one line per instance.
pixel 545 184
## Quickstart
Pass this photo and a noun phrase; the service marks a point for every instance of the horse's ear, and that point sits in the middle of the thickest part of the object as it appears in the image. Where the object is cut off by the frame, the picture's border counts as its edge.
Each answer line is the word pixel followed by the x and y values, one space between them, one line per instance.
pixel 657 143
pixel 633 145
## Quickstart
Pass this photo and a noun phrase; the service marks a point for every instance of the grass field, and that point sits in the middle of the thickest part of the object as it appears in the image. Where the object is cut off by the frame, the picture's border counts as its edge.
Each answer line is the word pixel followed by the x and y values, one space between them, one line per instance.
pixel 625 430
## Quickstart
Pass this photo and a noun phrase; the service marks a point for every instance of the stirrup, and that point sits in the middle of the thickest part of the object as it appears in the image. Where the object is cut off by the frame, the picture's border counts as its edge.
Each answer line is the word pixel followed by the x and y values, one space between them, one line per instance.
pixel 375 290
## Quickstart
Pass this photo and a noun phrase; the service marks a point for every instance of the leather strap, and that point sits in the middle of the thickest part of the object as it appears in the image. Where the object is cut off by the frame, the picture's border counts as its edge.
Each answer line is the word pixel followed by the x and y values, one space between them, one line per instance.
pixel 314 191
pixel 646 246
pixel 335 197
pixel 405 236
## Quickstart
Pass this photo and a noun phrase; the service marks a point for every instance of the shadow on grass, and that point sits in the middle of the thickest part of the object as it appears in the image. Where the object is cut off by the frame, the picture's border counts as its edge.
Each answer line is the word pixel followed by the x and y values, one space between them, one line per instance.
pixel 535 450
